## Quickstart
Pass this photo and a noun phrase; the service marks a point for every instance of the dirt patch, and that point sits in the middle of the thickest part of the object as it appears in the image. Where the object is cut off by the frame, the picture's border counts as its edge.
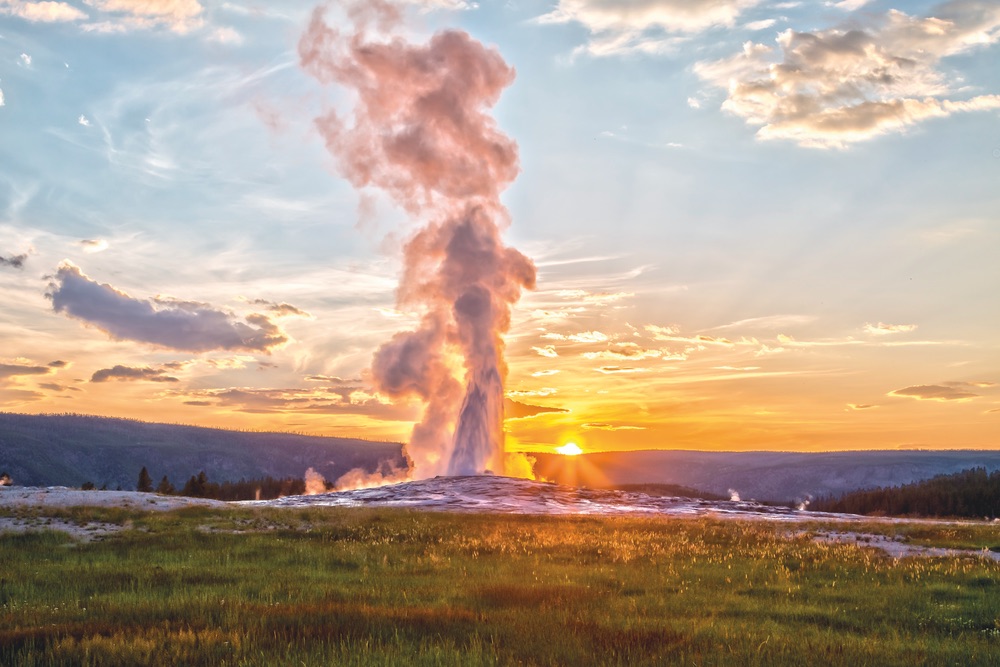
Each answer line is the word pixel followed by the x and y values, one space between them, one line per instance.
pixel 897 547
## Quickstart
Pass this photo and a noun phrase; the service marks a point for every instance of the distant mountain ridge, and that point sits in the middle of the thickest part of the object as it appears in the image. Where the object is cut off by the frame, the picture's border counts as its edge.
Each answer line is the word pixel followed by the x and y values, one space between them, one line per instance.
pixel 764 476
pixel 69 450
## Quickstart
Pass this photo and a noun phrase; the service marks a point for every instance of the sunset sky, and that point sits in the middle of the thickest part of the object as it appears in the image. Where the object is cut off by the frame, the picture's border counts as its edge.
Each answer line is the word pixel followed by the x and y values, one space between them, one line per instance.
pixel 757 225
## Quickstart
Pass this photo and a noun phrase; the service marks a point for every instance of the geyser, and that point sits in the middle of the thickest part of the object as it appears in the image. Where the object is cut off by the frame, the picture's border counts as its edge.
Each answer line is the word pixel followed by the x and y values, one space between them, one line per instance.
pixel 420 131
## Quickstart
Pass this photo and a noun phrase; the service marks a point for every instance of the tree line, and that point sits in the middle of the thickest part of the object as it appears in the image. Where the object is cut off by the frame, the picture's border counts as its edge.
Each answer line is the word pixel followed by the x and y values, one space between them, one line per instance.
pixel 199 486
pixel 973 493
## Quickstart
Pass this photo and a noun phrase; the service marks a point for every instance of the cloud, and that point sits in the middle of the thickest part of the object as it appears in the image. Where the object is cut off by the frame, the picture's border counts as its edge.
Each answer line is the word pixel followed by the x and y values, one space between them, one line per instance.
pixel 882 329
pixel 831 88
pixel 644 26
pixel 767 322
pixel 604 426
pixel 180 16
pixel 323 400
pixel 226 35
pixel 951 391
pixel 548 351
pixel 41 12
pixel 861 406
pixel 59 363
pixel 624 351
pixel 16 369
pixel 14 261
pixel 55 386
pixel 582 337
pixel 179 325
pixel 760 25
pixel 281 309
pixel 3 102
pixel 849 5
pixel 545 373
pixel 612 370
pixel 83 120
pixel 517 410
pixel 25 60
pixel 92 246
pixel 130 373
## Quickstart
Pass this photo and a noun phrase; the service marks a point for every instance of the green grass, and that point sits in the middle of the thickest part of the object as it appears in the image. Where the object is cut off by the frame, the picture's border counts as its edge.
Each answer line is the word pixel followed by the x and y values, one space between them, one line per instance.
pixel 381 587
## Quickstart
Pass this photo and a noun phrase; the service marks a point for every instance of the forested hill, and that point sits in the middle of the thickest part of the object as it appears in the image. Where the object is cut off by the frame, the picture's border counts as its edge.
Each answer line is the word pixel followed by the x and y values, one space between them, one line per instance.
pixel 70 450
pixel 971 493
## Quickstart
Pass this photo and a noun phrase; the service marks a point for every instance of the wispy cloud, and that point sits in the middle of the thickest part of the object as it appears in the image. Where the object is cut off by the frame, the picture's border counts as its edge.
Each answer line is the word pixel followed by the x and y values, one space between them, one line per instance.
pixel 951 391
pixel 92 246
pixel 831 88
pixel 281 309
pixel 645 26
pixel 605 426
pixel 14 261
pixel 12 370
pixel 171 323
pixel 517 410
pixel 180 16
pixel 322 400
pixel 130 373
pixel 883 329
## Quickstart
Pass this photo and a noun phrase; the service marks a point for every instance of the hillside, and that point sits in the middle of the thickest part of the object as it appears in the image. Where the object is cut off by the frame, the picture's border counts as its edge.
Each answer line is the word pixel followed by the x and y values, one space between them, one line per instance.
pixel 971 493
pixel 777 476
pixel 68 450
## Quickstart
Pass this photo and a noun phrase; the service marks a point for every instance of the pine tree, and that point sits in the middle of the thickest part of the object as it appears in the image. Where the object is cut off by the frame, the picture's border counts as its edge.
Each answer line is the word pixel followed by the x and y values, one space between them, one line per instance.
pixel 145 484
pixel 165 488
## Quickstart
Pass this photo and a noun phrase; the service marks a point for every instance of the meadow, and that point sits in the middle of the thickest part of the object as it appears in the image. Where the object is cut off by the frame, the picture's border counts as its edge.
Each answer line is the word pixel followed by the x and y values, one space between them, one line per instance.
pixel 325 586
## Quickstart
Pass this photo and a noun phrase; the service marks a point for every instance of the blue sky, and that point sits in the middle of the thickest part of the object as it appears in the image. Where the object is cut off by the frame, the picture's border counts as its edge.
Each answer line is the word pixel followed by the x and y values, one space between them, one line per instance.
pixel 756 224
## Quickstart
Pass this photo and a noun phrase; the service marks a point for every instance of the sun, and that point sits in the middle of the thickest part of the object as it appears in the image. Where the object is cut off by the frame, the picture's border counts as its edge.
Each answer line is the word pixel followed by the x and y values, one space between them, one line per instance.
pixel 570 449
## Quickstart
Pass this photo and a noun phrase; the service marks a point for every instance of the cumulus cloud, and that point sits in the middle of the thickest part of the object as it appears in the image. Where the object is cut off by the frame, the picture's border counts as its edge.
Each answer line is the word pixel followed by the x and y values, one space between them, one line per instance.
pixel 179 325
pixel 861 406
pixel 951 391
pixel 3 102
pixel 41 12
pixel 831 88
pixel 14 261
pixel 883 329
pixel 26 60
pixel 644 26
pixel 131 373
pixel 83 120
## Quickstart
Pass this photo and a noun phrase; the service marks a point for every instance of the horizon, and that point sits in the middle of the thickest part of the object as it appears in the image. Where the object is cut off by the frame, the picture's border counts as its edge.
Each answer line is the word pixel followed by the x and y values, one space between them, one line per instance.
pixel 718 269
pixel 549 452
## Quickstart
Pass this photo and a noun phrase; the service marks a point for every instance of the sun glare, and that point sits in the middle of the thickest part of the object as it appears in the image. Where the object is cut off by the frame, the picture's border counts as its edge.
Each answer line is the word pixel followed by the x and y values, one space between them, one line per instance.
pixel 570 449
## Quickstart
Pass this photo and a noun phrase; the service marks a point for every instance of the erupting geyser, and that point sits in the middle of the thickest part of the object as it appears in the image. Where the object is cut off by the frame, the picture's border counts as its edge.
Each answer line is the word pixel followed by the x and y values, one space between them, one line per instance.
pixel 420 131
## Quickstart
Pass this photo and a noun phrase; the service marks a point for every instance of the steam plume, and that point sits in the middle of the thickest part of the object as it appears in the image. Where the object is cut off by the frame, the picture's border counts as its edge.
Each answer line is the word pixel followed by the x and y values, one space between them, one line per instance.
pixel 315 482
pixel 421 133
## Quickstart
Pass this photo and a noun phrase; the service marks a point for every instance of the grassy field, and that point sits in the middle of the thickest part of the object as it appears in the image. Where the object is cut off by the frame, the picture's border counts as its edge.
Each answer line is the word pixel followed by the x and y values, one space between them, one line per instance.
pixel 381 587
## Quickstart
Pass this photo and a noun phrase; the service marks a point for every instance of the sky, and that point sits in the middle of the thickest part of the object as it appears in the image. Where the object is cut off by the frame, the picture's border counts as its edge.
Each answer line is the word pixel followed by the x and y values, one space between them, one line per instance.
pixel 756 225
